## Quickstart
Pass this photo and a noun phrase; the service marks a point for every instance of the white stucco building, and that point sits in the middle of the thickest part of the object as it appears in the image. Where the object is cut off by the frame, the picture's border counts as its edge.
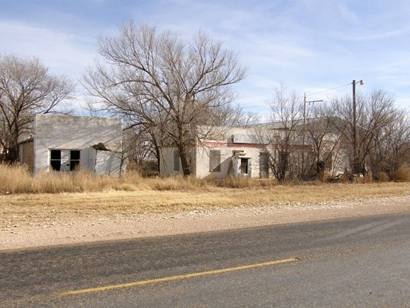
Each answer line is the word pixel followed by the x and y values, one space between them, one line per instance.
pixel 68 143
pixel 238 151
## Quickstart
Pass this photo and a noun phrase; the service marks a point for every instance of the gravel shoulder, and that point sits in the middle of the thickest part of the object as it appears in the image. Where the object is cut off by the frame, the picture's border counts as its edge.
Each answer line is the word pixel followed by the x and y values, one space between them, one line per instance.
pixel 73 227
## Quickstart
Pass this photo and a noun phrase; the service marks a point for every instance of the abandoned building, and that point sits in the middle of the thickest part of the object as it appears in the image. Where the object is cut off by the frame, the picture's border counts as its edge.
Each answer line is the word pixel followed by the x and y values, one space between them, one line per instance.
pixel 67 143
pixel 238 151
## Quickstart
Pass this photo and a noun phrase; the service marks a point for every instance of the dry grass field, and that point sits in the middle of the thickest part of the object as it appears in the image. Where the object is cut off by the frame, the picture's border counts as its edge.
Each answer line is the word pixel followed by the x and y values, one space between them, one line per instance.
pixel 32 206
pixel 18 180
pixel 82 194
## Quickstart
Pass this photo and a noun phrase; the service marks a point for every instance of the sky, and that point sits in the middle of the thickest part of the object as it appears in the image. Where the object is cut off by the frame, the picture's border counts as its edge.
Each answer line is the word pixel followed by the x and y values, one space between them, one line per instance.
pixel 312 46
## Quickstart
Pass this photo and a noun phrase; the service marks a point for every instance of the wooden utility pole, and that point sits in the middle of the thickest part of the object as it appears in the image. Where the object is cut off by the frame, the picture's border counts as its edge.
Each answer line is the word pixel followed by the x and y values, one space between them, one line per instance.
pixel 305 102
pixel 355 158
pixel 304 133
pixel 356 163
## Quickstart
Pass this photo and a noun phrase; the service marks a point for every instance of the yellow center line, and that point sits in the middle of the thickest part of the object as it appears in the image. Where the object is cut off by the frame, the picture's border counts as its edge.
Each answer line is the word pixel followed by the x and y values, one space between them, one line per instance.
pixel 140 283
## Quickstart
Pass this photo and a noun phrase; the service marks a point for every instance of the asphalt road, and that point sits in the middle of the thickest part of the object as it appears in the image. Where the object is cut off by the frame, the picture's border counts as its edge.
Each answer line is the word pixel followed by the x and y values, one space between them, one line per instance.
pixel 355 262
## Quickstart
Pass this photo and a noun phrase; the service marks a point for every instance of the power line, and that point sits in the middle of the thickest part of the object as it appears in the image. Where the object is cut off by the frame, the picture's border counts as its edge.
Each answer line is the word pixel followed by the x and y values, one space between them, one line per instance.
pixel 330 89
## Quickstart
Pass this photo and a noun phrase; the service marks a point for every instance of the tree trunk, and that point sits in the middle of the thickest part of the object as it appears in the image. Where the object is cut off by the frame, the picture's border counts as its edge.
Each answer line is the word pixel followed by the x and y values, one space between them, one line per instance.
pixel 186 168
pixel 283 166
pixel 185 164
pixel 158 157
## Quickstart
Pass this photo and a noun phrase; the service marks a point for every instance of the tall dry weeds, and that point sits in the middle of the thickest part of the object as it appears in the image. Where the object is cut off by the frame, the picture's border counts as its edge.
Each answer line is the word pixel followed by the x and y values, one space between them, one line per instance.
pixel 14 179
pixel 17 179
pixel 402 174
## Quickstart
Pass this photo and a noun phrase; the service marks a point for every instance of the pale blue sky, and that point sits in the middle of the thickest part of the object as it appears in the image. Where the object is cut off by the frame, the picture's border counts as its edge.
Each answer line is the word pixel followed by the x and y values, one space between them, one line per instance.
pixel 309 45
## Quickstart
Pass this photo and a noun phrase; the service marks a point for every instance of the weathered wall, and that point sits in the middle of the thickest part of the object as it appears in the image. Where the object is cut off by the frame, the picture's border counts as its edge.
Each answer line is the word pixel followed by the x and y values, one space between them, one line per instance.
pixel 340 155
pixel 27 154
pixel 340 162
pixel 245 139
pixel 107 163
pixel 202 163
pixel 167 162
pixel 167 155
pixel 66 133
pixel 250 141
pixel 201 160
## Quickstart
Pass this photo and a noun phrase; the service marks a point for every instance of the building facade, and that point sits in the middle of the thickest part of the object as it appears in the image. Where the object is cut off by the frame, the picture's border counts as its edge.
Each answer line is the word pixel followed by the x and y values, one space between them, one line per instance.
pixel 237 151
pixel 68 143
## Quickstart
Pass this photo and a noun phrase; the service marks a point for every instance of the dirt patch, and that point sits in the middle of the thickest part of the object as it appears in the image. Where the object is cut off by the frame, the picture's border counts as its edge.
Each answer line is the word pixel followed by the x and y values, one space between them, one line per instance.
pixel 41 220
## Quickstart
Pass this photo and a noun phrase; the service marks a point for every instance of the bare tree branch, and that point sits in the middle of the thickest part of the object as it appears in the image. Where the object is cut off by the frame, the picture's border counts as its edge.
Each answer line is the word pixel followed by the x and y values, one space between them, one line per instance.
pixel 26 89
pixel 168 85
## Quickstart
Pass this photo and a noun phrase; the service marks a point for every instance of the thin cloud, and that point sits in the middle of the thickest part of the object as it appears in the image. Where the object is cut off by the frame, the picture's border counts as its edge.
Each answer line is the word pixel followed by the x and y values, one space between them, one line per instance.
pixel 307 44
pixel 64 53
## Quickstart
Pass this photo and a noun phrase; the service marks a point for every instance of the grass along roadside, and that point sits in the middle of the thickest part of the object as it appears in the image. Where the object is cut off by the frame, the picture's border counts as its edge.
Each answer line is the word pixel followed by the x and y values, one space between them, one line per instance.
pixel 21 208
pixel 17 179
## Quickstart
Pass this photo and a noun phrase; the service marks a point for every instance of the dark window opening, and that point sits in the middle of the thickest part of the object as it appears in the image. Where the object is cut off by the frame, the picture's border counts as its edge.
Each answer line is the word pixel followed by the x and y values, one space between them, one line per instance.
pixel 244 165
pixel 55 160
pixel 74 160
pixel 214 161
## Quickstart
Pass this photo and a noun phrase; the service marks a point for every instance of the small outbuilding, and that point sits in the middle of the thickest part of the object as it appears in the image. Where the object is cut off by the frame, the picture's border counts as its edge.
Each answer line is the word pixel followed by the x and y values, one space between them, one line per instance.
pixel 68 143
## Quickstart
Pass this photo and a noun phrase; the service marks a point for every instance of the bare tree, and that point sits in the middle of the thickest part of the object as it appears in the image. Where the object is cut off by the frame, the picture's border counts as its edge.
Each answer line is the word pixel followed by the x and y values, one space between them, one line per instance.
pixel 167 85
pixel 322 136
pixel 391 146
pixel 139 149
pixel 280 137
pixel 26 89
pixel 374 112
pixel 236 116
